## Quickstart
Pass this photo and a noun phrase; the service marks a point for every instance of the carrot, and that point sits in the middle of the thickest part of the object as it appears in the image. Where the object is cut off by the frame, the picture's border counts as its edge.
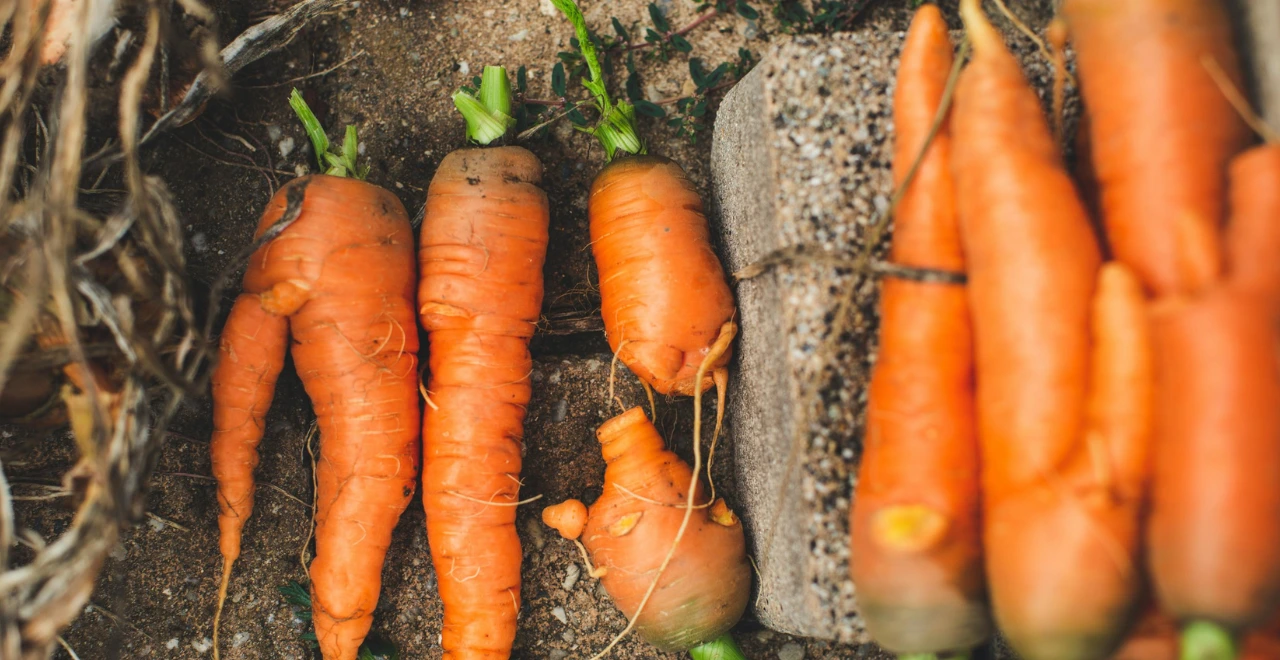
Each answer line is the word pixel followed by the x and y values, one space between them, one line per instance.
pixel 1161 133
pixel 1214 543
pixel 337 281
pixel 644 509
pixel 484 239
pixel 568 517
pixel 1063 395
pixel 916 541
pixel 663 293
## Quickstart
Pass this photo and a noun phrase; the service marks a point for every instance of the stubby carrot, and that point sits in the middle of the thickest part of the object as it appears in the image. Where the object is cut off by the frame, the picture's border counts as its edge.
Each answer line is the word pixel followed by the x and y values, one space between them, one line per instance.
pixel 568 517
pixel 1214 545
pixel 631 529
pixel 1063 373
pixel 916 539
pixel 337 284
pixel 1161 134
pixel 484 239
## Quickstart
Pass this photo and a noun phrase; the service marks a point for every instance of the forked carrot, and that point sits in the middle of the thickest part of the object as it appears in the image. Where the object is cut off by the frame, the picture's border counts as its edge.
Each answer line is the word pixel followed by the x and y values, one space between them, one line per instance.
pixel 916 554
pixel 336 284
pixel 1063 373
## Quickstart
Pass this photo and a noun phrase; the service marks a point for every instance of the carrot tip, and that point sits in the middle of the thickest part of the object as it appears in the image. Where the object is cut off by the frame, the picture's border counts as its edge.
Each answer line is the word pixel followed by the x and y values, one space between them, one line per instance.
pixel 720 648
pixel 983 35
pixel 1205 640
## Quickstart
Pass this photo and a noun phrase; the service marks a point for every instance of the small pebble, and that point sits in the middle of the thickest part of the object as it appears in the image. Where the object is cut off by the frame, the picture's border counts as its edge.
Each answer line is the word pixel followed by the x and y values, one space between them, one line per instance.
pixel 547 9
pixel 568 636
pixel 557 654
pixel 561 411
pixel 554 378
pixel 404 11
pixel 571 577
pixel 286 147
pixel 464 68
pixel 157 525
pixel 519 36
pixel 171 644
pixel 239 639
pixel 274 132
pixel 202 645
pixel 199 242
pixel 558 613
pixel 791 651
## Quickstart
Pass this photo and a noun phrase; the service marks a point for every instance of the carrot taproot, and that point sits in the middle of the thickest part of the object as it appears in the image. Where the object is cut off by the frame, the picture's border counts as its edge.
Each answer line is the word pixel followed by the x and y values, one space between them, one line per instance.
pixel 916 553
pixel 568 517
pixel 1063 373
pixel 1161 133
pixel 704 588
pixel 1214 546
pixel 484 239
pixel 338 282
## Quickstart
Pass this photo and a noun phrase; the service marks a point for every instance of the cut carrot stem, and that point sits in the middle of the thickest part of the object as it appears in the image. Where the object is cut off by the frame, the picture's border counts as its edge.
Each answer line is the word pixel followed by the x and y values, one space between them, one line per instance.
pixel 720 648
pixel 1204 640
pixel 488 116
pixel 616 129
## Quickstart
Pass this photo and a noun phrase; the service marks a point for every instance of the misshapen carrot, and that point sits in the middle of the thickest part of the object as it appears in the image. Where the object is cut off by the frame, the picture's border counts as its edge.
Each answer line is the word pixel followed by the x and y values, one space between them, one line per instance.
pixel 916 540
pixel 568 517
pixel 632 526
pixel 1063 411
pixel 342 274
pixel 663 293
pixel 1214 542
pixel 1161 133
pixel 484 239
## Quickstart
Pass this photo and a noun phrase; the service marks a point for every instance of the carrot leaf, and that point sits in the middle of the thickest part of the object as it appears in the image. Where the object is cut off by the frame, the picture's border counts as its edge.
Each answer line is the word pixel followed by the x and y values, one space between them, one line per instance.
pixel 720 648
pixel 616 129
pixel 1205 640
pixel 334 164
pixel 488 110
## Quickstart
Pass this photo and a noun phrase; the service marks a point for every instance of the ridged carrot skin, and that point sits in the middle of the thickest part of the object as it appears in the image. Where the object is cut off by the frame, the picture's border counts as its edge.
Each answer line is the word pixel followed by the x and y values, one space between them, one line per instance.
pixel 1214 542
pixel 630 530
pixel 343 276
pixel 484 240
pixel 916 539
pixel 663 293
pixel 1063 373
pixel 1161 131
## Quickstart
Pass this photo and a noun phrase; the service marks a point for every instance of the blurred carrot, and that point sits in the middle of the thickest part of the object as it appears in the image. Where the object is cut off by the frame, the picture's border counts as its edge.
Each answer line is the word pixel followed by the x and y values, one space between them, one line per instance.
pixel 1161 133
pixel 1063 411
pixel 916 555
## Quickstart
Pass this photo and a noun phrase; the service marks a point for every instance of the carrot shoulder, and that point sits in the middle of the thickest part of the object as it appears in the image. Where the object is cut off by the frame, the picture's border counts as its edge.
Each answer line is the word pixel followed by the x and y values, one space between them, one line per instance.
pixel 916 541
pixel 1064 468
pixel 1161 132
pixel 484 238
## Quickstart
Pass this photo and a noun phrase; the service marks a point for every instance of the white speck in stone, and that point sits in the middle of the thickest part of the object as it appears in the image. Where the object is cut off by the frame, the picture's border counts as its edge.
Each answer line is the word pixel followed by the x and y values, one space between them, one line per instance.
pixel 404 11
pixel 464 68
pixel 561 411
pixel 171 644
pixel 199 242
pixel 156 524
pixel 571 577
pixel 519 36
pixel 286 147
pixel 274 132
pixel 547 9
pixel 202 645
pixel 554 378
pixel 558 613
pixel 360 149
pixel 239 639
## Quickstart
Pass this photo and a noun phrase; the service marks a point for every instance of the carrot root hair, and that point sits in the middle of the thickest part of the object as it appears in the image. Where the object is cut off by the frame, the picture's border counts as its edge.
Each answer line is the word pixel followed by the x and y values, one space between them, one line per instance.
pixel 222 599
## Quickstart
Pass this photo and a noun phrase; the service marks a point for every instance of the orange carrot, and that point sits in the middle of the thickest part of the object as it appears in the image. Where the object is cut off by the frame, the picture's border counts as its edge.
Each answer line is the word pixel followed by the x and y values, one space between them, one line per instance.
pixel 1063 412
pixel 1161 133
pixel 1214 544
pixel 484 239
pixel 568 517
pixel 916 546
pixel 338 281
pixel 704 588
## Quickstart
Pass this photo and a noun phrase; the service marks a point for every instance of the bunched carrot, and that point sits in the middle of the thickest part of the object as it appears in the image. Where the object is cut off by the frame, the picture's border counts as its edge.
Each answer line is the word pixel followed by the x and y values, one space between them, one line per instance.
pixel 1063 411
pixel 484 239
pixel 916 539
pixel 1160 132
pixel 568 517
pixel 703 588
pixel 338 281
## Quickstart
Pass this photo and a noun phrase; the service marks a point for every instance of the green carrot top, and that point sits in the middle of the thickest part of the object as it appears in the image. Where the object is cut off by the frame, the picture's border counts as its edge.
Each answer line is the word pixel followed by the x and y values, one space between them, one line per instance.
pixel 341 163
pixel 488 116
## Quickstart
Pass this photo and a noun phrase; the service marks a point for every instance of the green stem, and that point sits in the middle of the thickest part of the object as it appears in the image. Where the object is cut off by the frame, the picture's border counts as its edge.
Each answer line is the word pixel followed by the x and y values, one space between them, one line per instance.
pixel 1205 640
pixel 720 648
pixel 616 129
pixel 342 163
pixel 488 114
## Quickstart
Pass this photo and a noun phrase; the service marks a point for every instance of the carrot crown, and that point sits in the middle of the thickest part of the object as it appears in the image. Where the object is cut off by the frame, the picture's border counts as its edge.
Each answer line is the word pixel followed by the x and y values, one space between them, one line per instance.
pixel 488 113
pixel 616 129
pixel 342 163
pixel 720 648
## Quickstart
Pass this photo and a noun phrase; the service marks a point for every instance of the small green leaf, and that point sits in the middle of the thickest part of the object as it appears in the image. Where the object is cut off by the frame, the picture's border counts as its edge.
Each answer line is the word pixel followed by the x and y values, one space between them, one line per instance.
pixel 557 80
pixel 476 80
pixel 577 118
pixel 522 79
pixel 649 109
pixel 296 596
pixel 747 11
pixel 319 141
pixel 622 32
pixel 712 79
pixel 659 20
pixel 633 88
pixel 697 72
pixel 350 146
pixel 651 36
pixel 699 109
pixel 681 44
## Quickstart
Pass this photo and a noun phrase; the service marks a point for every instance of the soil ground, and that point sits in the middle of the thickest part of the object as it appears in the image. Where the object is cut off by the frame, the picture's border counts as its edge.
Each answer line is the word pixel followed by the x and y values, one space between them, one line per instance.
pixel 387 66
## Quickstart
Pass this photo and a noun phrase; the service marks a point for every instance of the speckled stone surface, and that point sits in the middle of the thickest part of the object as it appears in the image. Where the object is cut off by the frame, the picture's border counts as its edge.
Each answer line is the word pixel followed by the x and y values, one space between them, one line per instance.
pixel 801 155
